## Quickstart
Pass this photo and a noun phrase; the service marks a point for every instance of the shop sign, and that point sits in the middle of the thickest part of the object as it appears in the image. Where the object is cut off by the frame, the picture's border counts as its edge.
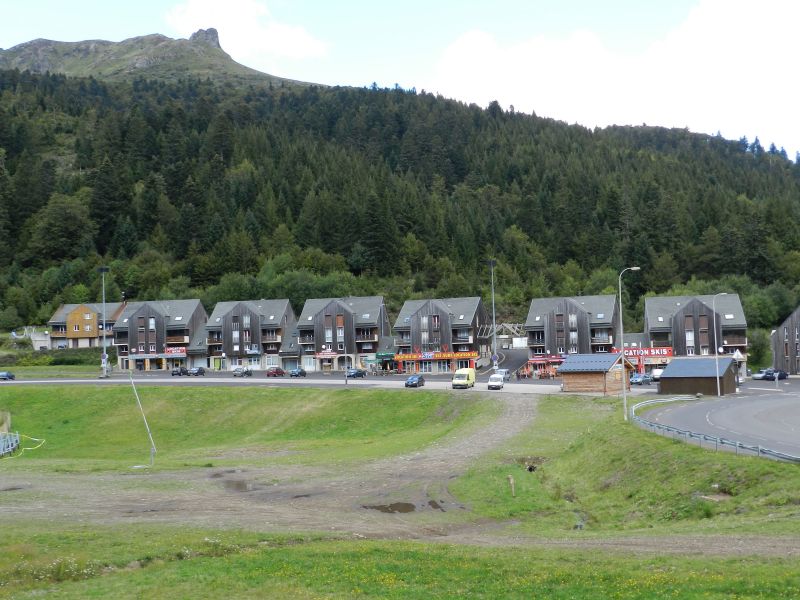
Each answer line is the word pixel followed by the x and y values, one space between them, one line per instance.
pixel 326 354
pixel 175 351
pixel 542 359
pixel 437 355
pixel 646 352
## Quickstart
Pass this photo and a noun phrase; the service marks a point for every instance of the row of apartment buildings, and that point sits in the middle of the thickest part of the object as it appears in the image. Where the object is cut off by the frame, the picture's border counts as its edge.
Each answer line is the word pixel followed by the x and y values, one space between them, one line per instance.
pixel 430 336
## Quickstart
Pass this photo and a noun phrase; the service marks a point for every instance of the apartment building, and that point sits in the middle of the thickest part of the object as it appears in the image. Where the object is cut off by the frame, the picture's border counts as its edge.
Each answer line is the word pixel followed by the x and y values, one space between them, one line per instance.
pixel 336 333
pixel 786 344
pixel 442 335
pixel 82 325
pixel 249 333
pixel 161 335
pixel 558 327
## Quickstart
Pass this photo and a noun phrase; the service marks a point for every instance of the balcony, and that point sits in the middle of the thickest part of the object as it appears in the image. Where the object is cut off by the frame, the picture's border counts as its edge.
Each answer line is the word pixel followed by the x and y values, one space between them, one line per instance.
pixel 372 337
pixel 272 338
pixel 214 342
pixel 601 339
pixel 402 341
pixel 177 339
pixel 462 339
pixel 306 339
pixel 661 343
pixel 734 340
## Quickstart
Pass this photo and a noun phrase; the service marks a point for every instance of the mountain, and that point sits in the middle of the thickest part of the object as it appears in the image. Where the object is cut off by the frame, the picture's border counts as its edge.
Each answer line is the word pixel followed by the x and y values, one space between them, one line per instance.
pixel 151 56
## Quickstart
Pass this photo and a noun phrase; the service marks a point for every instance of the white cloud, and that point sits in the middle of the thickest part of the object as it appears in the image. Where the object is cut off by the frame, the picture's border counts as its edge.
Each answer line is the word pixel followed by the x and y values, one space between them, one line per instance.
pixel 247 32
pixel 728 67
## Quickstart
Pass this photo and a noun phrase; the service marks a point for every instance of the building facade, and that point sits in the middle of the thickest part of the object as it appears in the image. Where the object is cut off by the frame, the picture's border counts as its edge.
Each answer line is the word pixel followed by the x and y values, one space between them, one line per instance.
pixel 161 335
pixel 558 327
pixel 440 336
pixel 786 344
pixel 696 326
pixel 82 325
pixel 248 333
pixel 336 333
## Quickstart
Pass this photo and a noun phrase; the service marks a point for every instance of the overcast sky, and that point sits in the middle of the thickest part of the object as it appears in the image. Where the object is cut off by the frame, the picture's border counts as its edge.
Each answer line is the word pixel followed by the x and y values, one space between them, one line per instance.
pixel 727 66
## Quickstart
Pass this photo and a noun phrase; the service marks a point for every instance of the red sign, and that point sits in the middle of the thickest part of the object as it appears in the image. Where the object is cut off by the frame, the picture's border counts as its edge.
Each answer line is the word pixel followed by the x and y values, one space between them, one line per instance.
pixel 646 352
pixel 326 354
pixel 437 355
pixel 541 359
pixel 177 351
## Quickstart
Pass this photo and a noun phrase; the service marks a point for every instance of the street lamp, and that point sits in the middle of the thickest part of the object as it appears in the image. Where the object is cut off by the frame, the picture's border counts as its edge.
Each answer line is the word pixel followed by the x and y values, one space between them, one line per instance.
pixel 492 262
pixel 716 346
pixel 104 357
pixel 622 345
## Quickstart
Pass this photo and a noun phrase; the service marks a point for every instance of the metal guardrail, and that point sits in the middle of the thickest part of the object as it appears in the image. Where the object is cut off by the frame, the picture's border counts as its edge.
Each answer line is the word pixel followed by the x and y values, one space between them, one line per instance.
pixel 9 442
pixel 718 442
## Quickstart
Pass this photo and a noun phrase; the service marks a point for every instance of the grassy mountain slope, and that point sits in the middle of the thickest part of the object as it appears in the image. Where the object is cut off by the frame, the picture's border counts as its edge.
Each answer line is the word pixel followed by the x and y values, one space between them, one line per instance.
pixel 151 56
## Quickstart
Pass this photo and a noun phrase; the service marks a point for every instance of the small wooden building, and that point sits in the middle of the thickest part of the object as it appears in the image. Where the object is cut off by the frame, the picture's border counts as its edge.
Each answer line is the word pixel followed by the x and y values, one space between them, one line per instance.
pixel 598 373
pixel 699 376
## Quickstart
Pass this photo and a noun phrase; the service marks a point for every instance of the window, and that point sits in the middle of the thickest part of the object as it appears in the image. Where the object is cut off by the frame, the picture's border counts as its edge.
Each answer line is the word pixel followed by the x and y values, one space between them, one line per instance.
pixel 141 347
pixel 246 336
pixel 152 323
pixel 341 346
pixel 76 327
pixel 87 316
pixel 435 321
pixel 152 348
pixel 245 321
pixel 660 319
pixel 690 351
pixel 87 327
pixel 601 315
pixel 443 366
pixel 234 322
pixel 425 366
pixel 573 321
pixel 704 350
pixel 236 347
pixel 728 316
pixel 235 336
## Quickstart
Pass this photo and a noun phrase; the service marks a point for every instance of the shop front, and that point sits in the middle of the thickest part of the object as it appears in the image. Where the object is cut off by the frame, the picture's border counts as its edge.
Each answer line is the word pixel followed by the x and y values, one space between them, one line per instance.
pixel 141 361
pixel 436 362
pixel 647 359
pixel 543 366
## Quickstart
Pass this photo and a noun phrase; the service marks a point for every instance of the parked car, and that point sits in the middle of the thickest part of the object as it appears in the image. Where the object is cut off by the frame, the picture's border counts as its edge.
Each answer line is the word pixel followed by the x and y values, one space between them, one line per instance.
pixel 354 372
pixel 242 372
pixel 770 374
pixel 505 373
pixel 297 372
pixel 197 371
pixel 641 379
pixel 6 376
pixel 656 374
pixel 275 372
pixel 496 381
pixel 415 381
pixel 179 371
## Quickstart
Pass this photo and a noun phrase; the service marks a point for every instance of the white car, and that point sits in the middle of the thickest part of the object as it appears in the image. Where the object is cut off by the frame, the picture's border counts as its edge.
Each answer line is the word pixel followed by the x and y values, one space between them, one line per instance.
pixel 496 381
pixel 505 373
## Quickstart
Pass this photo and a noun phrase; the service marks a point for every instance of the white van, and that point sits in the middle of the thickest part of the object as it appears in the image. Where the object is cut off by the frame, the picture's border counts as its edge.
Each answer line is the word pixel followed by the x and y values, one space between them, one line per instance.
pixel 496 381
pixel 464 378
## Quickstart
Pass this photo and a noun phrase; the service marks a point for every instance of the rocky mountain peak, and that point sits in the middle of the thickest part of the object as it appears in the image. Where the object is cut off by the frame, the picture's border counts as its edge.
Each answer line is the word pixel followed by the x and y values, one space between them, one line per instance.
pixel 206 36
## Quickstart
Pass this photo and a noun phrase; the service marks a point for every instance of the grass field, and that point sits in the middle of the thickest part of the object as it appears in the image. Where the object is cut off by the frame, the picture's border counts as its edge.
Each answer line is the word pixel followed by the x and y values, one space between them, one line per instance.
pixel 596 479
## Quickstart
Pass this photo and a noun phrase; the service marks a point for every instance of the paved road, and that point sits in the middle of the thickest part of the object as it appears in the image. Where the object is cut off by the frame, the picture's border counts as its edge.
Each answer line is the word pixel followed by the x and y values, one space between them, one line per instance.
pixel 762 414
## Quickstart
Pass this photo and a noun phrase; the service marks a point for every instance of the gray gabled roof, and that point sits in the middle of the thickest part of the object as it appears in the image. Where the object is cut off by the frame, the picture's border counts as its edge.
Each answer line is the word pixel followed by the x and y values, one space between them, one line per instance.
pixel 696 367
pixel 599 308
pixel 366 309
pixel 60 316
pixel 589 363
pixel 462 309
pixel 270 311
pixel 179 311
pixel 728 307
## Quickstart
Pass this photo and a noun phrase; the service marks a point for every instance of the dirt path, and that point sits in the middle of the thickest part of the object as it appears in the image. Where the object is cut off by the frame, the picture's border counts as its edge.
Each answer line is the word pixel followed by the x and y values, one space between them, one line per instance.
pixel 402 497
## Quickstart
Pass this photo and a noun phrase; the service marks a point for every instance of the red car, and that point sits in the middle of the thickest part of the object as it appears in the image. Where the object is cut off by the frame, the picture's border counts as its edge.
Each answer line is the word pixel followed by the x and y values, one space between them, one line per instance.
pixel 275 372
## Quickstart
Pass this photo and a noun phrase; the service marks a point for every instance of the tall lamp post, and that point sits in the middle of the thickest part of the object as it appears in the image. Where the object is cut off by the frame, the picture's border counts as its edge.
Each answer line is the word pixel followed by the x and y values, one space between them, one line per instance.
pixel 492 262
pixel 716 345
pixel 622 344
pixel 104 358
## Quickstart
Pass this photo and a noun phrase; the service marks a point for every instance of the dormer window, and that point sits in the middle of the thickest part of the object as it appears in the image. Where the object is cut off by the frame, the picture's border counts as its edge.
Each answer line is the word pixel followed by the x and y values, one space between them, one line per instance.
pixel 729 316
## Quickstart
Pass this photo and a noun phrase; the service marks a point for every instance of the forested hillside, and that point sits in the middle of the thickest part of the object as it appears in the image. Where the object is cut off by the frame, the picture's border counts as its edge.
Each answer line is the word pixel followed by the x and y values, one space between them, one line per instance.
pixel 190 189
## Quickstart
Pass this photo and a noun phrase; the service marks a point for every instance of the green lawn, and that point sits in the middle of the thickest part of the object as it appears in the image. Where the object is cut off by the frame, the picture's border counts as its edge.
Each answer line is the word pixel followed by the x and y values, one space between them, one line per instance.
pixel 100 427
pixel 55 372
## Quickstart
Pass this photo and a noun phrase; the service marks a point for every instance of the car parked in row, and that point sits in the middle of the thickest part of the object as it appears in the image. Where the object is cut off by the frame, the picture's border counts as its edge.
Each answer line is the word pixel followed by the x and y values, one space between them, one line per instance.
pixel 196 371
pixel 275 372
pixel 6 376
pixel 297 372
pixel 242 372
pixel 355 372
pixel 641 379
pixel 496 381
pixel 415 381
pixel 179 371
pixel 770 374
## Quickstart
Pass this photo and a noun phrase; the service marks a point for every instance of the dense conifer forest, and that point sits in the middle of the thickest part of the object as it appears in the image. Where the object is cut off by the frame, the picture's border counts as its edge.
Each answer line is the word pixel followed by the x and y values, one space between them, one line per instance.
pixel 192 189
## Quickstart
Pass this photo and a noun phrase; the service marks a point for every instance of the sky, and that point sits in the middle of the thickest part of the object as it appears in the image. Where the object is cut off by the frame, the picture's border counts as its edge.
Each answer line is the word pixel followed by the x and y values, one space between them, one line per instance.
pixel 711 66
